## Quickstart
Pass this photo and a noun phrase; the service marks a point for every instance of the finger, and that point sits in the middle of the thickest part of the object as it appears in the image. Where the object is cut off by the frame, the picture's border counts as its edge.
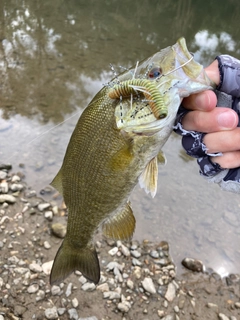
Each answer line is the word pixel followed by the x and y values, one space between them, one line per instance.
pixel 222 141
pixel 228 160
pixel 203 101
pixel 215 120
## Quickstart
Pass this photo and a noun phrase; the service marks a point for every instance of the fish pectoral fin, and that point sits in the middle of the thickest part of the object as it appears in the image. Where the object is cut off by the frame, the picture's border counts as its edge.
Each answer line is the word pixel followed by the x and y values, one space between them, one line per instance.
pixel 57 182
pixel 69 259
pixel 120 226
pixel 161 158
pixel 148 178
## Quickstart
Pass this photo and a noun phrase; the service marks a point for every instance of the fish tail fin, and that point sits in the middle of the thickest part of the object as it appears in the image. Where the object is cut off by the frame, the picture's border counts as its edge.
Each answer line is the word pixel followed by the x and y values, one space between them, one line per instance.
pixel 69 259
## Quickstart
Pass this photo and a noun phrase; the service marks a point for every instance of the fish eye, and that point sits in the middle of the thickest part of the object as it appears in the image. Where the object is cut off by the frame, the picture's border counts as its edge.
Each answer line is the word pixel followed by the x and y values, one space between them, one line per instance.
pixel 154 73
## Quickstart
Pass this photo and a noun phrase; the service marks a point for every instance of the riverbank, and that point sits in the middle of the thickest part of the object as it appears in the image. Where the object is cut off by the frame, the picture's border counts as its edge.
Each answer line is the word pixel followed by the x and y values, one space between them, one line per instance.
pixel 138 280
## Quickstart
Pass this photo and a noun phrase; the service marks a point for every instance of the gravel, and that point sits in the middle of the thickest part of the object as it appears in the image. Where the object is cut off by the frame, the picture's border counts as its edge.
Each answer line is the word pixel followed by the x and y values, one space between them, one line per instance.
pixel 138 280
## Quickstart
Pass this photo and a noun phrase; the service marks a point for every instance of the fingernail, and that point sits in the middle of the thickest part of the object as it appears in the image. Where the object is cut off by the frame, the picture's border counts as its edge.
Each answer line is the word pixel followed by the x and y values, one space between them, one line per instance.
pixel 227 119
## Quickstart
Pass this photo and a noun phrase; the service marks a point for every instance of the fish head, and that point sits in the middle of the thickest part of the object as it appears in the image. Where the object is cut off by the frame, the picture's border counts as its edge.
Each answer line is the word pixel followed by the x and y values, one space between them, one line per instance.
pixel 151 92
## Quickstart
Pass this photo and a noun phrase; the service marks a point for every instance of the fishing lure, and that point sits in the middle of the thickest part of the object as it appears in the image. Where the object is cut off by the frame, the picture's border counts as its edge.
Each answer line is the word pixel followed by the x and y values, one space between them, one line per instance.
pixel 148 88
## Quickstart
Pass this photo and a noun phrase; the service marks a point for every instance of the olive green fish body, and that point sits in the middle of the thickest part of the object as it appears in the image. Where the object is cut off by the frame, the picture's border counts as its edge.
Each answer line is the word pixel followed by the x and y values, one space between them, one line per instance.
pixel 115 145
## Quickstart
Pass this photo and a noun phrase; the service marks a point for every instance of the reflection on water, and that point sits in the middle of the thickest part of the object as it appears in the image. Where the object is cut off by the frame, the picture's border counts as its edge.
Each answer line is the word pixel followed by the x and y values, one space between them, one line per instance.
pixel 54 56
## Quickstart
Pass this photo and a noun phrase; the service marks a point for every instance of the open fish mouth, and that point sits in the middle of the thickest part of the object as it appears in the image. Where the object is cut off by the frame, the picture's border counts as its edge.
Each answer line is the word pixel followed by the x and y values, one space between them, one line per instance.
pixel 150 93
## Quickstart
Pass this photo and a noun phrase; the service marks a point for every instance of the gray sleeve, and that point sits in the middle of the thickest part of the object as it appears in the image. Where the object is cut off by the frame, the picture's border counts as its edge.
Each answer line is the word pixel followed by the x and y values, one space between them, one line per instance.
pixel 228 95
pixel 229 68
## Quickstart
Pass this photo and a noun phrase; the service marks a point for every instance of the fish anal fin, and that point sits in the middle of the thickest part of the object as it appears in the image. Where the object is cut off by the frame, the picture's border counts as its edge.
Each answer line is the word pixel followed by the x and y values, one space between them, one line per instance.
pixel 57 182
pixel 69 259
pixel 148 178
pixel 120 226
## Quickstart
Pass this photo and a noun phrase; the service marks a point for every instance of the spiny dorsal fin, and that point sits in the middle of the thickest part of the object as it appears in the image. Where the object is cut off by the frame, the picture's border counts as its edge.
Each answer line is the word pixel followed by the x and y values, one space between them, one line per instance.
pixel 69 259
pixel 120 226
pixel 148 178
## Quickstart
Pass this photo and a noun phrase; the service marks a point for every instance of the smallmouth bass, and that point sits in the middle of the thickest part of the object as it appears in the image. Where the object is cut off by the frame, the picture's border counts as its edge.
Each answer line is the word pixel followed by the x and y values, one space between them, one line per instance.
pixel 116 144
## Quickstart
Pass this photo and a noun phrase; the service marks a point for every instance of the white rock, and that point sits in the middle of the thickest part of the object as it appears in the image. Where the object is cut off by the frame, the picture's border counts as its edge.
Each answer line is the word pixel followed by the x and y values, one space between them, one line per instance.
pixel 69 289
pixel 48 215
pixel 111 295
pixel 88 286
pixel 75 303
pixel 148 285
pixel 171 292
pixel 130 284
pixel 21 270
pixel 13 260
pixel 124 306
pixel 103 287
pixel 55 290
pixel 135 253
pixel 47 267
pixel 35 267
pixel 113 251
pixel 46 245
pixel 7 198
pixel 222 316
pixel 51 313
pixel 43 206
pixel 33 288
pixel 73 314
pixel 15 178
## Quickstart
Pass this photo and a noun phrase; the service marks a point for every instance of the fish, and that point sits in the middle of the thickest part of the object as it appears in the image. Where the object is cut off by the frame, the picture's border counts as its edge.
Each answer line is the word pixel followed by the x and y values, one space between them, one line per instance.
pixel 115 145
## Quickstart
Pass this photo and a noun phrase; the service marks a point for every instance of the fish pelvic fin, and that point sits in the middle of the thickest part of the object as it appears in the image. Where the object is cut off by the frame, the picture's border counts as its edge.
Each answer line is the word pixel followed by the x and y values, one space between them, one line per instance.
pixel 69 259
pixel 148 178
pixel 57 182
pixel 120 226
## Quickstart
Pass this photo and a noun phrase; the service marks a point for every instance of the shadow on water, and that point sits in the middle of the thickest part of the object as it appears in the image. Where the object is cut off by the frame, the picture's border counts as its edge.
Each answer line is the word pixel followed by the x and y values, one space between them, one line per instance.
pixel 54 57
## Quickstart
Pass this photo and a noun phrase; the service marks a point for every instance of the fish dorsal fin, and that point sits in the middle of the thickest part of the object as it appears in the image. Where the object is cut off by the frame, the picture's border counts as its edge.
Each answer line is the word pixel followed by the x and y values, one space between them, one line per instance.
pixel 161 158
pixel 148 178
pixel 57 182
pixel 121 225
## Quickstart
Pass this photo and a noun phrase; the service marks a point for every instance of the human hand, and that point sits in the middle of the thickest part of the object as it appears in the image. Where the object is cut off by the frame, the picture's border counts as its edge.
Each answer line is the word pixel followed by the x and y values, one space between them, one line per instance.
pixel 212 134
pixel 220 123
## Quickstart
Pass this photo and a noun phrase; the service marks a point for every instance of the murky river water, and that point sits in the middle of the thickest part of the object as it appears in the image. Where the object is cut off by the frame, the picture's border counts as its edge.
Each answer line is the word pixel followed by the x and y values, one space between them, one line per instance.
pixel 54 57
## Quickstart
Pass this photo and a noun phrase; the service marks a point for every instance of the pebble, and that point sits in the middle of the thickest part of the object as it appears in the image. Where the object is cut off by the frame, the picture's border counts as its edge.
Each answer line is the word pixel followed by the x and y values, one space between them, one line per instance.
pixel 88 286
pixel 111 295
pixel 103 287
pixel 43 206
pixel 4 187
pixel 171 292
pixel 51 313
pixel 46 245
pixel 48 215
pixel 16 187
pixel 154 254
pixel 148 285
pixel 222 316
pixel 47 267
pixel 113 251
pixel 75 303
pixel 33 288
pixel 7 198
pixel 15 178
pixel 193 264
pixel 55 290
pixel 35 267
pixel 3 175
pixel 73 314
pixel 59 230
pixel 69 289
pixel 124 306
pixel 135 253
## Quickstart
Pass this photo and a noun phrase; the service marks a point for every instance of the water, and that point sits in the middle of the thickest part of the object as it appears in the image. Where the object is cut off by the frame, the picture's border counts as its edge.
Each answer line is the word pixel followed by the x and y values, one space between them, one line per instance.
pixel 54 57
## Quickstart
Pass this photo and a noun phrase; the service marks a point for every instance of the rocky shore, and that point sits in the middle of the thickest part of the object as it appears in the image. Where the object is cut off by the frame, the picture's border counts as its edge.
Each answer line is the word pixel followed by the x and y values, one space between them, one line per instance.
pixel 138 280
